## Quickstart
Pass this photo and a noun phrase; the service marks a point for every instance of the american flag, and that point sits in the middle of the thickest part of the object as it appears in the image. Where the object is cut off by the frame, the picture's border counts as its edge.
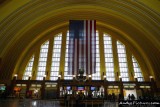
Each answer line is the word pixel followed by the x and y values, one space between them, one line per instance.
pixel 82 46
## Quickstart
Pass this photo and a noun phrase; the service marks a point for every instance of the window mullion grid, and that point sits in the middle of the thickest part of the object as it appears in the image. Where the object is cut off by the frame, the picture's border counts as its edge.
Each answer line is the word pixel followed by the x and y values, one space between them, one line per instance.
pixel 108 58
pixel 122 61
pixel 96 76
pixel 42 61
pixel 56 57
pixel 137 70
pixel 66 75
pixel 28 70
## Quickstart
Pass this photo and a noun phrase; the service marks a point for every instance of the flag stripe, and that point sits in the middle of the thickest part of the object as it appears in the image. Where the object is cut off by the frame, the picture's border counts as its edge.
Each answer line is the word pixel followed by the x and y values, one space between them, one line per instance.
pixel 90 47
pixel 85 69
pixel 77 56
pixel 86 47
pixel 80 53
pixel 94 46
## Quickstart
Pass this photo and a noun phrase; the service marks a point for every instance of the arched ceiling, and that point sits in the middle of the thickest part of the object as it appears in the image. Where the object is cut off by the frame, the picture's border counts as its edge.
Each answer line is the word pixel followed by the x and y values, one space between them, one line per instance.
pixel 24 23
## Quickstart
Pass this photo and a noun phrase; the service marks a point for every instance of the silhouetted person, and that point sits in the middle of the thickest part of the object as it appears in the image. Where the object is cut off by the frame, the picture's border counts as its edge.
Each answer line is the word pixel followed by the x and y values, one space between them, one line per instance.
pixel 132 97
pixel 129 97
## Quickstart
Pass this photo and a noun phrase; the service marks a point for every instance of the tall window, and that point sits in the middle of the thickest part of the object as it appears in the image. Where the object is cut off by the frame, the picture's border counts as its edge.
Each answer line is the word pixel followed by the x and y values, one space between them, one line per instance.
pixel 66 75
pixel 108 58
pixel 42 61
pixel 28 70
pixel 137 70
pixel 96 76
pixel 56 57
pixel 122 61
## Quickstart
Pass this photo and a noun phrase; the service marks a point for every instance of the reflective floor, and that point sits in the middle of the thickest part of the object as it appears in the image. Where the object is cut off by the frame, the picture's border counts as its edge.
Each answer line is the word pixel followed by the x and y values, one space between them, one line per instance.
pixel 53 103
pixel 28 103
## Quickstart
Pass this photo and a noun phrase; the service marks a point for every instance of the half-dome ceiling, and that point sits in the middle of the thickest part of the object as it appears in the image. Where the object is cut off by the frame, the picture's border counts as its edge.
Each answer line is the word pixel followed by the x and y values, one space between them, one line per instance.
pixel 129 21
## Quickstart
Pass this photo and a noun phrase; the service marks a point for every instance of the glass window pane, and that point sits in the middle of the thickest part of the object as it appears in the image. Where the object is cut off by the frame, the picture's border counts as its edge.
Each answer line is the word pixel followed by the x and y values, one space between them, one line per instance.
pixel 122 61
pixel 137 70
pixel 28 69
pixel 42 60
pixel 56 57
pixel 108 57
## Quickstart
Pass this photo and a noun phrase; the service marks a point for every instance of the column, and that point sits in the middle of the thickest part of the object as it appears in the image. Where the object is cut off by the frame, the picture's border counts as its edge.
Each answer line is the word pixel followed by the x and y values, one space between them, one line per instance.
pixel 153 85
pixel 58 86
pixel 130 65
pixel 35 64
pixel 105 88
pixel 13 83
pixel 116 63
pixel 101 52
pixel 136 83
pixel 28 86
pixel 43 88
pixel 121 88
pixel 49 59
pixel 63 49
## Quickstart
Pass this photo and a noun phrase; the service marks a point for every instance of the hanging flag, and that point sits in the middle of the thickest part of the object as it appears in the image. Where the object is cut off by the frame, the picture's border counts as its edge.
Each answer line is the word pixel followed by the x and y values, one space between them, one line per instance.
pixel 82 46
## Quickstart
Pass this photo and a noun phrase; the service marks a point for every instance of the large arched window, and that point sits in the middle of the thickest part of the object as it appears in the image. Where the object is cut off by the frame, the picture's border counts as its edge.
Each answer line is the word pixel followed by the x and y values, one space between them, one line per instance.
pixel 137 70
pixel 28 70
pixel 96 76
pixel 122 59
pixel 109 60
pixel 108 53
pixel 42 61
pixel 66 75
pixel 56 53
